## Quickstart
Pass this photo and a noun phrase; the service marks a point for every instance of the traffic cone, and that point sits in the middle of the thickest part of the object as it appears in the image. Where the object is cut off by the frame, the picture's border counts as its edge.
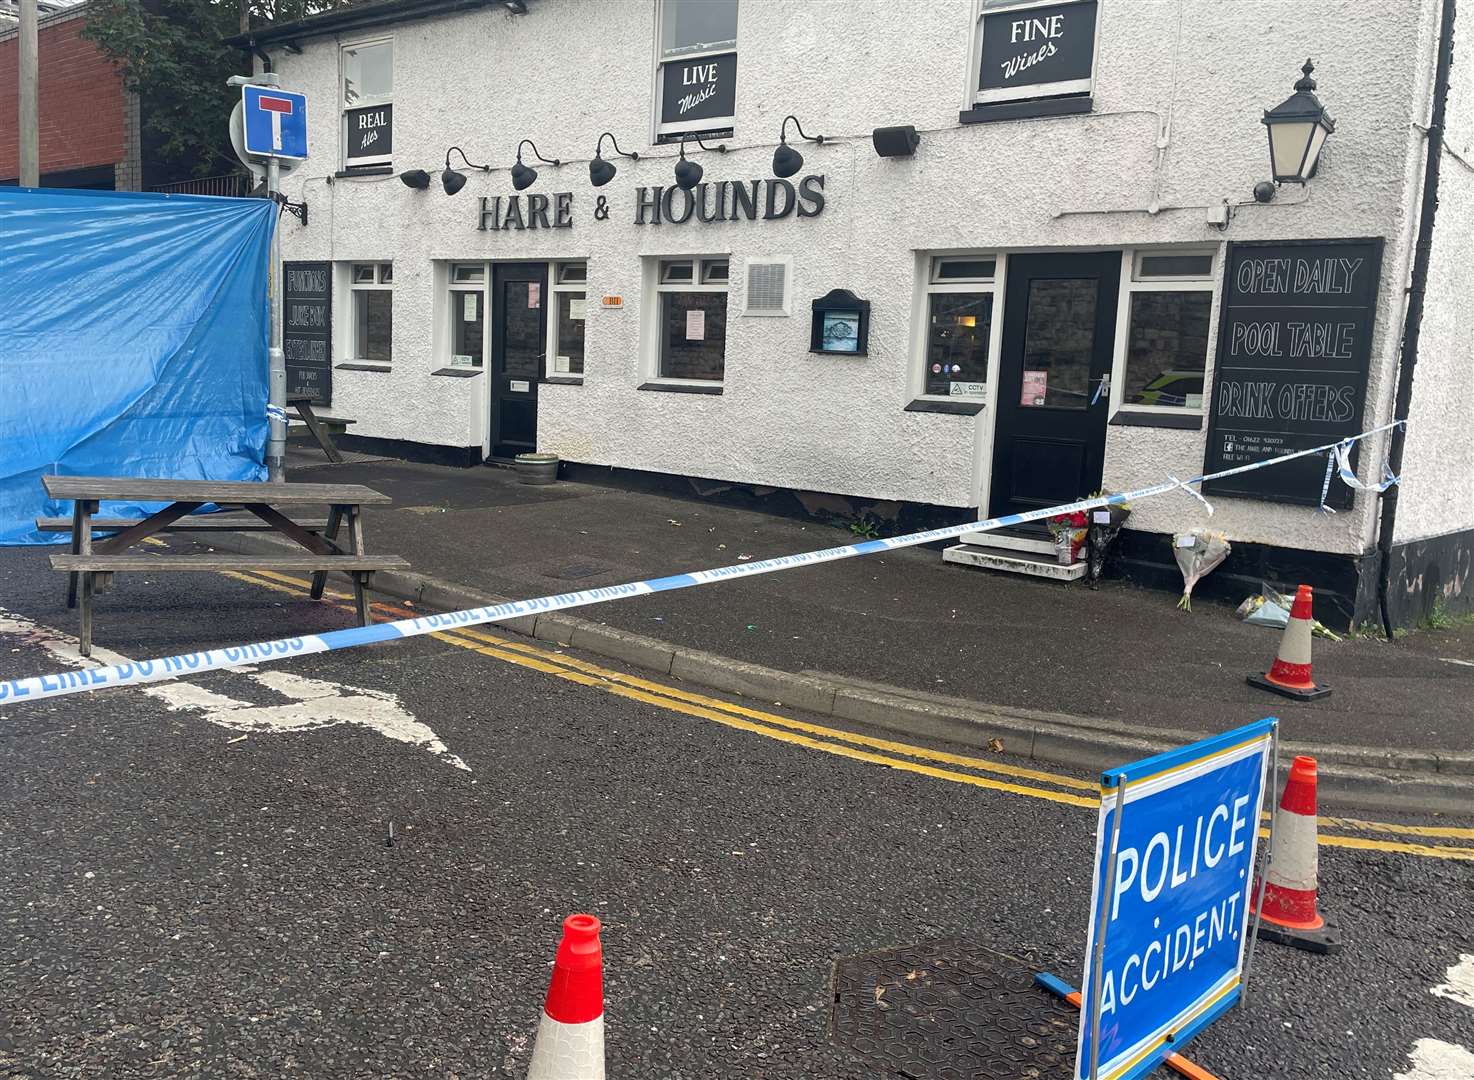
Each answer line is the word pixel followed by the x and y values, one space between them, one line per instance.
pixel 1289 675
pixel 570 1035
pixel 1288 912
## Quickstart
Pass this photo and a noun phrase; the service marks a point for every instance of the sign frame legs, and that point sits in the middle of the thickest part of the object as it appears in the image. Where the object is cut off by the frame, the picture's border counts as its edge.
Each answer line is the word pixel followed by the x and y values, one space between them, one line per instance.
pixel 1273 793
pixel 1098 958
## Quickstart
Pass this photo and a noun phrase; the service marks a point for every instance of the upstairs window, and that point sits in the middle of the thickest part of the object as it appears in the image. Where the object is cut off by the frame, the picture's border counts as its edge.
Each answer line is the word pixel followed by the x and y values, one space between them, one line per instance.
pixel 367 101
pixel 1029 50
pixel 696 88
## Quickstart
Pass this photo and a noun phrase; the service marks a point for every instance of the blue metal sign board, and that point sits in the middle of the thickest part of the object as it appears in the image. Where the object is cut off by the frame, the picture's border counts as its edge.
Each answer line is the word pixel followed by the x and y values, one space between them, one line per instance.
pixel 1174 865
pixel 275 122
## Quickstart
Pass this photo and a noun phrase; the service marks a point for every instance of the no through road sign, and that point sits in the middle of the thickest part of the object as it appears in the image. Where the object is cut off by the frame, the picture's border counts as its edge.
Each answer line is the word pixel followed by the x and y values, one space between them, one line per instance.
pixel 275 122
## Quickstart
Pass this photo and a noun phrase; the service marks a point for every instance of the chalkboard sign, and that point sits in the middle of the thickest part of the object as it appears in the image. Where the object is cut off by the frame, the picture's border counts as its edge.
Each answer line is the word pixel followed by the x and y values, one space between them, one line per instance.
pixel 700 89
pixel 1038 51
pixel 307 329
pixel 1294 342
pixel 370 134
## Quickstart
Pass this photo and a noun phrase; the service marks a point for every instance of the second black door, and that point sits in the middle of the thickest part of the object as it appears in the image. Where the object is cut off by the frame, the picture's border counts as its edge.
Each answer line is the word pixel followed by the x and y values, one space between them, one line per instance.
pixel 1059 330
pixel 518 352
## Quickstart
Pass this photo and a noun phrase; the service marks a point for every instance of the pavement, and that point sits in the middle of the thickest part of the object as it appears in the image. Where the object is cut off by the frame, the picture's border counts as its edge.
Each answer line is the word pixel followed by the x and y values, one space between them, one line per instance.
pixel 1118 661
pixel 196 878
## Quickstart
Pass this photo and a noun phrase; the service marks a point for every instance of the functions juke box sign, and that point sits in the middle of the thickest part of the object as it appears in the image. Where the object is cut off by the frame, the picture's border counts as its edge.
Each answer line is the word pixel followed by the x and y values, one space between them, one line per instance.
pixel 1295 341
pixel 307 329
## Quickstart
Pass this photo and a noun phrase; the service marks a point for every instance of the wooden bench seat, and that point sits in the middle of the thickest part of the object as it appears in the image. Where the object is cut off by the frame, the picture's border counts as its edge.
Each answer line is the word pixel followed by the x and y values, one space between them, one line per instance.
pixel 197 523
pixel 109 564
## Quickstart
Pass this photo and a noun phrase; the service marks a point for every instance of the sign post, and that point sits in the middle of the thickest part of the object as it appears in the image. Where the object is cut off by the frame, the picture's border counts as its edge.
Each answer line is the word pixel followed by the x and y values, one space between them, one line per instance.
pixel 1169 918
pixel 273 128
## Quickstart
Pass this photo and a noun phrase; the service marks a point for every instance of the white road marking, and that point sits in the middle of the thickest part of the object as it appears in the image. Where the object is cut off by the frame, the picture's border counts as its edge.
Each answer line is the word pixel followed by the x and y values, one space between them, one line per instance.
pixel 1460 985
pixel 1433 1059
pixel 313 703
pixel 1462 663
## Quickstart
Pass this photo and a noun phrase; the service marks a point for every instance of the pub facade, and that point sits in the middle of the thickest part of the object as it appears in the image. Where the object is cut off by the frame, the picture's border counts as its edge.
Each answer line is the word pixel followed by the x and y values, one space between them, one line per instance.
pixel 970 256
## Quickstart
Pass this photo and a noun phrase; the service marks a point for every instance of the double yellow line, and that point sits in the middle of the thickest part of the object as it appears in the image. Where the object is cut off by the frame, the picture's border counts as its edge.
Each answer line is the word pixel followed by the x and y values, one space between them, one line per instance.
pixel 937 764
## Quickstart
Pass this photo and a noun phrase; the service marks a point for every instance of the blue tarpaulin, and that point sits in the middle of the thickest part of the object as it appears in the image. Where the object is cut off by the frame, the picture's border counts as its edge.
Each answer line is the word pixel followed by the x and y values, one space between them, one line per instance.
pixel 133 342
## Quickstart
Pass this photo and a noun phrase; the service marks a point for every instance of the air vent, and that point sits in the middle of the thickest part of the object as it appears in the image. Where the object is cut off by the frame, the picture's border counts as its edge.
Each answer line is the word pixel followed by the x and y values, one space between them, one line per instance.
pixel 767 287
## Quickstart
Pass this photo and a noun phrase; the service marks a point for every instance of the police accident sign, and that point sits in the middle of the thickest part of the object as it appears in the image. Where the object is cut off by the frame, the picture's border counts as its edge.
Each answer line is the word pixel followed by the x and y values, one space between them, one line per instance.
pixel 1176 919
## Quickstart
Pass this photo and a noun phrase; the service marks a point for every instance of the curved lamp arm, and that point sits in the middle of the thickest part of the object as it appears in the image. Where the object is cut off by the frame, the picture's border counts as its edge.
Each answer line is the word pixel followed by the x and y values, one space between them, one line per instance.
pixel 720 148
pixel 783 131
pixel 599 146
pixel 469 163
pixel 529 142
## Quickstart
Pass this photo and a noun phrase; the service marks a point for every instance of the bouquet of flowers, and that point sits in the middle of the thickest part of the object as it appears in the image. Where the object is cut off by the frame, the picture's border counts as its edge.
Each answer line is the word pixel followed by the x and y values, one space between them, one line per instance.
pixel 1198 553
pixel 1105 525
pixel 1068 531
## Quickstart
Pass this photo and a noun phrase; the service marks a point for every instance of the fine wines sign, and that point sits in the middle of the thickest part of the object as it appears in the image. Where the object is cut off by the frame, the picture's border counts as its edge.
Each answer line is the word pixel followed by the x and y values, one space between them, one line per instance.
pixel 1038 51
pixel 1295 341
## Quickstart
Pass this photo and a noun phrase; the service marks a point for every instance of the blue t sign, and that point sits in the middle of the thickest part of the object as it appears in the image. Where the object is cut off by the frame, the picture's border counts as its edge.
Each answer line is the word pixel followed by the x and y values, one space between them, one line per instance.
pixel 275 122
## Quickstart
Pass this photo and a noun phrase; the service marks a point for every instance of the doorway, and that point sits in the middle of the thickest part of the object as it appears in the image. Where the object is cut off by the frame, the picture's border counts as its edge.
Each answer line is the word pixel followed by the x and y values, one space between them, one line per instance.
pixel 1059 333
pixel 519 320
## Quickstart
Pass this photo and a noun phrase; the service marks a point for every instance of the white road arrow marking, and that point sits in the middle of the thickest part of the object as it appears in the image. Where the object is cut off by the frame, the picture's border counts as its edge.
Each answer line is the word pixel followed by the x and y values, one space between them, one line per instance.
pixel 313 703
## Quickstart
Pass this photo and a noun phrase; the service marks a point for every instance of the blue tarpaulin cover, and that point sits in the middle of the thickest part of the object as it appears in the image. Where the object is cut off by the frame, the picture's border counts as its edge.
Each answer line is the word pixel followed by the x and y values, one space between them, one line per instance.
pixel 133 342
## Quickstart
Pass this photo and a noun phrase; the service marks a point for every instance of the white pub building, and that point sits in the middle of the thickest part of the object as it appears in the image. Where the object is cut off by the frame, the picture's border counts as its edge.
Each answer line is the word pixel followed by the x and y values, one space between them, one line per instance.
pixel 928 259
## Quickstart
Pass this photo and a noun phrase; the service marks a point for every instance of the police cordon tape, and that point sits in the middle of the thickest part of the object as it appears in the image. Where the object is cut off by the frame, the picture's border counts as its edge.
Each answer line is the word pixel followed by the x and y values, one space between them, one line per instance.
pixel 40 687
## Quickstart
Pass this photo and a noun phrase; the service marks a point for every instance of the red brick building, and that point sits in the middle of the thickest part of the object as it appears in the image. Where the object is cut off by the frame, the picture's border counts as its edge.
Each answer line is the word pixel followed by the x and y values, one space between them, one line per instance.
pixel 89 122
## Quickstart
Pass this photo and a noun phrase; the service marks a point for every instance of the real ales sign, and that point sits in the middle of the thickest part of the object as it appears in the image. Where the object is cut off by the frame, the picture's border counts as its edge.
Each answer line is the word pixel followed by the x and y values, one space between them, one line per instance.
pixel 370 134
pixel 1037 51
pixel 307 329
pixel 698 90
pixel 1295 340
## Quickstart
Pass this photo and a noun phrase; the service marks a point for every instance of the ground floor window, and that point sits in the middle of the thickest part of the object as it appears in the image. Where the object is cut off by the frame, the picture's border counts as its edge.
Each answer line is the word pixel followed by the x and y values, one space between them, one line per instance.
pixel 566 327
pixel 467 314
pixel 958 326
pixel 1167 306
pixel 371 293
pixel 692 295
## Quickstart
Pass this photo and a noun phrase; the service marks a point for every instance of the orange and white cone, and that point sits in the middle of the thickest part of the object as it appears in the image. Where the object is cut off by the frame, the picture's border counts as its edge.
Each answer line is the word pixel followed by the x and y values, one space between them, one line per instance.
pixel 1289 675
pixel 570 1035
pixel 1289 912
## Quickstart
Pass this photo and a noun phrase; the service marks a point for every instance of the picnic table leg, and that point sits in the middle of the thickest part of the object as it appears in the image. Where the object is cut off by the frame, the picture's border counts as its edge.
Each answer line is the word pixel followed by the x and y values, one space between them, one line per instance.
pixel 75 577
pixel 84 637
pixel 360 598
pixel 324 439
pixel 320 577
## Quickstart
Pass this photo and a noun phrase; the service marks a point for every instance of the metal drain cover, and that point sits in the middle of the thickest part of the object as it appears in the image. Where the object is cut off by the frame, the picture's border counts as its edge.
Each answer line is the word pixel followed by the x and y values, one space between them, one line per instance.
pixel 951 1010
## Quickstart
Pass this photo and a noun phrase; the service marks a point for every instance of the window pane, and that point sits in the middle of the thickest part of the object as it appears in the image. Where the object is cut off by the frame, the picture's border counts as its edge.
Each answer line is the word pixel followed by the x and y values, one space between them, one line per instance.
pixel 375 323
pixel 1167 349
pixel 468 325
pixel 714 270
pixel 363 273
pixel 386 273
pixel 568 272
pixel 965 269
pixel 697 25
pixel 468 273
pixel 568 359
pixel 522 329
pixel 958 329
pixel 368 73
pixel 676 272
pixel 693 337
pixel 1196 266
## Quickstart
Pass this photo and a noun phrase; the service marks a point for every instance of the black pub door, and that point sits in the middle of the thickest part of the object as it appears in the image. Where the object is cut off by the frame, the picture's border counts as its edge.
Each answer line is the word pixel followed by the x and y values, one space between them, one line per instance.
pixel 1059 330
pixel 519 308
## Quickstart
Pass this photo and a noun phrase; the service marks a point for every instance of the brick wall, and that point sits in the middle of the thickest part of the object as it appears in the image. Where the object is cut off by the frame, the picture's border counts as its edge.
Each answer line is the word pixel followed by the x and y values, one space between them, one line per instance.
pixel 82 101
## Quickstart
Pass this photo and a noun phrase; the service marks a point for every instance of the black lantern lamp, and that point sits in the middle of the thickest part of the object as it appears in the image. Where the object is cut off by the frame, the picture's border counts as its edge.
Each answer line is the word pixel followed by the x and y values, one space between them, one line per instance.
pixel 1298 127
pixel 523 176
pixel 451 180
pixel 688 173
pixel 601 171
pixel 787 160
pixel 418 179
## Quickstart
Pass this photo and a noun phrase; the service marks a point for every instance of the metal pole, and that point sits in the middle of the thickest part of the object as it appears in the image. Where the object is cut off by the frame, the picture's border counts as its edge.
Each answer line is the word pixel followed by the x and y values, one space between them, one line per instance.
pixel 276 447
pixel 1274 792
pixel 30 120
pixel 1097 960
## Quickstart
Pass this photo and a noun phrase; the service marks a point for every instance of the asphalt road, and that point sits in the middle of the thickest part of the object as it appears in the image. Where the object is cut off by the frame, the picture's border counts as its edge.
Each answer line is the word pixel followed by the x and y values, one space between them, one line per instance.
pixel 197 882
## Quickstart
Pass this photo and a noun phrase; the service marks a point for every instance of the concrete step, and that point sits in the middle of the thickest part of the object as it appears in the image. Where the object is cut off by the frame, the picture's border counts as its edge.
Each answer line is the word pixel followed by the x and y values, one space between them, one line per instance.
pixel 1012 541
pixel 1013 562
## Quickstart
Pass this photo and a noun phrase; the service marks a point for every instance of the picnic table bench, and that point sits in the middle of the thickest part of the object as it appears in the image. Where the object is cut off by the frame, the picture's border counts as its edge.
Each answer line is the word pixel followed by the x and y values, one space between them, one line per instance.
pixel 90 566
pixel 322 427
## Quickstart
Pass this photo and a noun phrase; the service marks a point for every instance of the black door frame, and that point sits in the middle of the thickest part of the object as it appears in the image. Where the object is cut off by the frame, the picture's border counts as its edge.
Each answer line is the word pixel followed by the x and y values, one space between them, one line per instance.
pixel 1091 423
pixel 498 391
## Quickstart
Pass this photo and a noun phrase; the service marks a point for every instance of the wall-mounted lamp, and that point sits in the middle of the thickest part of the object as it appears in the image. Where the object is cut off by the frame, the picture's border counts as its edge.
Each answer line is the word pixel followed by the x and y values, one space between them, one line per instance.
pixel 601 171
pixel 522 175
pixel 787 160
pixel 451 180
pixel 895 141
pixel 688 173
pixel 516 7
pixel 418 179
pixel 1298 127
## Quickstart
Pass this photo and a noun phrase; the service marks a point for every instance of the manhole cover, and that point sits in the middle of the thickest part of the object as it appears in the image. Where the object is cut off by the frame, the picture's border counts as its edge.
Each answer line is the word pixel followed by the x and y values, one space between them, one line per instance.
pixel 951 1010
pixel 574 571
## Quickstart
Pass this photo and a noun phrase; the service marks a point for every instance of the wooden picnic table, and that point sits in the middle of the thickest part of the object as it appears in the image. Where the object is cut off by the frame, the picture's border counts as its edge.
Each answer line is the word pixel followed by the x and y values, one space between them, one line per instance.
pixel 90 565
pixel 321 427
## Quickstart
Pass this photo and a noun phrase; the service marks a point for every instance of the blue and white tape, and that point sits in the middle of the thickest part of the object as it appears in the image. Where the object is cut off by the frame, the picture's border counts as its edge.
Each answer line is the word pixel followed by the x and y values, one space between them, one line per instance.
pixel 276 412
pixel 38 687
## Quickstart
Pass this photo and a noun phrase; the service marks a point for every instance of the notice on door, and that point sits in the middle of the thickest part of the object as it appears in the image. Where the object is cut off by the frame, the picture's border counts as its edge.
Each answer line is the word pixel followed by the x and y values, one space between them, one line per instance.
pixel 307 329
pixel 1294 344
pixel 1035 388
